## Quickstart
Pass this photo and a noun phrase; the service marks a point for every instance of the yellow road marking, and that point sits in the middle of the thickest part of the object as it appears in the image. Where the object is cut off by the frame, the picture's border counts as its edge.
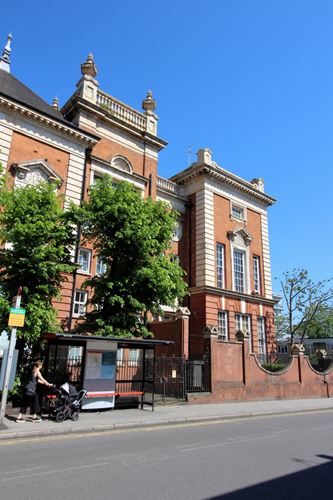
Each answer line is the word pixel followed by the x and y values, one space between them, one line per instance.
pixel 212 421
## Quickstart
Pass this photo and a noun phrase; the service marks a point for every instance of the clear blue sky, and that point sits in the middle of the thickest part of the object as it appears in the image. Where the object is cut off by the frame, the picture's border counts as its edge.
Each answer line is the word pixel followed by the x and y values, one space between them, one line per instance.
pixel 251 79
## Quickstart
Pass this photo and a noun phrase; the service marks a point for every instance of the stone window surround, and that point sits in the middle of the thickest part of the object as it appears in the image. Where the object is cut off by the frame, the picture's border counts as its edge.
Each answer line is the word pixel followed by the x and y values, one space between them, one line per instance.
pixel 242 208
pixel 256 274
pixel 240 240
pixel 101 168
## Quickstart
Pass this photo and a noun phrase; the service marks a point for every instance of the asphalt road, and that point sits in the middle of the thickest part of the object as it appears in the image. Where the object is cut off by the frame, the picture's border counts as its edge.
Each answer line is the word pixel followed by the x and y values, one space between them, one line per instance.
pixel 284 457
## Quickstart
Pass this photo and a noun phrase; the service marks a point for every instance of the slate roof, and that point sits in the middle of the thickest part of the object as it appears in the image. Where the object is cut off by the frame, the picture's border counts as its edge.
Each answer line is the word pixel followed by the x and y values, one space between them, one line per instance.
pixel 15 90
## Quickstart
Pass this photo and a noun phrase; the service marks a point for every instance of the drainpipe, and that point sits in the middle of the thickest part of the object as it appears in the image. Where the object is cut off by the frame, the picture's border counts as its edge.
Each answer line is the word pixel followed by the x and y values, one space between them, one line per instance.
pixel 189 205
pixel 78 237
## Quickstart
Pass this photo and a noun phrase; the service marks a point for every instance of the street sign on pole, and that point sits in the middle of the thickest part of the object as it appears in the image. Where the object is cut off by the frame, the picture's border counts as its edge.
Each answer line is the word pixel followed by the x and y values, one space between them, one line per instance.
pixel 10 356
pixel 16 317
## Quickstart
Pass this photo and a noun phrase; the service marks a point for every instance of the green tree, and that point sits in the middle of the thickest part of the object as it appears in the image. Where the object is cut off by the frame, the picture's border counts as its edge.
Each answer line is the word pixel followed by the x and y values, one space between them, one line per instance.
pixel 132 236
pixel 321 325
pixel 38 237
pixel 304 301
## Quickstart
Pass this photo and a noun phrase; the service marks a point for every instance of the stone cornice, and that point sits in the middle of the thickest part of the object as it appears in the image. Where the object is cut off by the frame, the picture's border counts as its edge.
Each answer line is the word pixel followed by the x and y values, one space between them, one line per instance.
pixel 73 132
pixel 256 299
pixel 218 173
pixel 78 102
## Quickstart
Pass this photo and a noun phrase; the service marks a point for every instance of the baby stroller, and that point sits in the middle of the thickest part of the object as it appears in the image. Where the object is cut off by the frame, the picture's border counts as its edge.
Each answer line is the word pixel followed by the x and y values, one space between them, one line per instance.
pixel 67 403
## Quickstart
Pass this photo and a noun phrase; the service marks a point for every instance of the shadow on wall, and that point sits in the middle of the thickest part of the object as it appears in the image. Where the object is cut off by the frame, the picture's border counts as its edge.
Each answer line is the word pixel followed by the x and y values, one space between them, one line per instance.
pixel 306 485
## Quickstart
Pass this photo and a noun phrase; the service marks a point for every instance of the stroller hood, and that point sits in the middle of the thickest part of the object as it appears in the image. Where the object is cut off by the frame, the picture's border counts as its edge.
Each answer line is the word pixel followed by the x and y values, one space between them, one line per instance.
pixel 68 389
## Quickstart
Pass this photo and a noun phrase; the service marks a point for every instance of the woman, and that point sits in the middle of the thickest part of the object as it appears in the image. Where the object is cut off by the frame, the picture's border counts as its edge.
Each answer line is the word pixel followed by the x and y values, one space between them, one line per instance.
pixel 30 397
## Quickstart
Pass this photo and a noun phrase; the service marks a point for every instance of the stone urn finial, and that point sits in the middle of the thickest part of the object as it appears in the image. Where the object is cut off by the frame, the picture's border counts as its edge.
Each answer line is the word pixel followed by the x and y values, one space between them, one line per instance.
pixel 297 349
pixel 241 336
pixel 149 104
pixel 321 353
pixel 89 68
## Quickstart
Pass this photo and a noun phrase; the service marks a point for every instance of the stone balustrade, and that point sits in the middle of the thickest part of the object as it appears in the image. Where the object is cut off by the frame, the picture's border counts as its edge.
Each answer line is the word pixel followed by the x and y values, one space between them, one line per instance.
pixel 121 111
pixel 167 185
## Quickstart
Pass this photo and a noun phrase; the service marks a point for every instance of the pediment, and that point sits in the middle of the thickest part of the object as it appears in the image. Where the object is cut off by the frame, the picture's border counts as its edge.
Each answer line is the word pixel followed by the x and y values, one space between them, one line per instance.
pixel 240 236
pixel 34 171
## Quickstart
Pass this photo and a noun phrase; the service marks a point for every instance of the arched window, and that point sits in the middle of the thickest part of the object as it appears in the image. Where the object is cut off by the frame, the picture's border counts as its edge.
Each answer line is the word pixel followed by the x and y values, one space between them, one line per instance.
pixel 121 163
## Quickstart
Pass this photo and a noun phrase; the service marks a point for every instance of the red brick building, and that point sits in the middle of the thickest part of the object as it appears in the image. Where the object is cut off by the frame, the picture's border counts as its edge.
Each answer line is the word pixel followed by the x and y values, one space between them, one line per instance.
pixel 222 237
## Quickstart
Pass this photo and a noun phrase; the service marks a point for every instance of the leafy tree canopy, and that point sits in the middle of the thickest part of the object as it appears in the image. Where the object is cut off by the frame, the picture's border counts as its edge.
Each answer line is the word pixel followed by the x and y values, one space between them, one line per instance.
pixel 132 235
pixel 321 324
pixel 307 304
pixel 38 237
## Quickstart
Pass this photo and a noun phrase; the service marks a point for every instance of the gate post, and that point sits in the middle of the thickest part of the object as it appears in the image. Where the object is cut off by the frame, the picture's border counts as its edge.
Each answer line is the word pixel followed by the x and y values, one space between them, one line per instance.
pixel 208 332
pixel 183 315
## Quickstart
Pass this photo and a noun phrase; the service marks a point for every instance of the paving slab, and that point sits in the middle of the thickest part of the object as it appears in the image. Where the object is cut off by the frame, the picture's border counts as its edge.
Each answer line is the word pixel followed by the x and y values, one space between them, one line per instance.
pixel 162 415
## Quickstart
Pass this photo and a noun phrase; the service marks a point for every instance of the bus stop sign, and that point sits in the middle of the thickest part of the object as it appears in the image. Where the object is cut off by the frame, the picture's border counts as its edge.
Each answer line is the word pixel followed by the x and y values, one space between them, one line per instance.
pixel 16 317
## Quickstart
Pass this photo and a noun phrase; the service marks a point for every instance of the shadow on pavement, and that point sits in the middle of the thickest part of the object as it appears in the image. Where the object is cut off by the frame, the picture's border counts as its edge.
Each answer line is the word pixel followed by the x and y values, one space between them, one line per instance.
pixel 312 483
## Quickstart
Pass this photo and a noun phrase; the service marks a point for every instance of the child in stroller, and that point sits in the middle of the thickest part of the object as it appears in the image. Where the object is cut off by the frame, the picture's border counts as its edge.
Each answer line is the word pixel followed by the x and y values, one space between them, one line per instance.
pixel 67 403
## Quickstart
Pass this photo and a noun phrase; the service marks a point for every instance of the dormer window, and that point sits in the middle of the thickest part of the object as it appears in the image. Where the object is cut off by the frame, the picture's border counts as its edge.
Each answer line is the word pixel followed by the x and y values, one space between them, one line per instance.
pixel 33 172
pixel 122 163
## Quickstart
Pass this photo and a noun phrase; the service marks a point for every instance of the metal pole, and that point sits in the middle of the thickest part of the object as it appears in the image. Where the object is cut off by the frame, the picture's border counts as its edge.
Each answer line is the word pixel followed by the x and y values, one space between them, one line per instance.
pixel 11 348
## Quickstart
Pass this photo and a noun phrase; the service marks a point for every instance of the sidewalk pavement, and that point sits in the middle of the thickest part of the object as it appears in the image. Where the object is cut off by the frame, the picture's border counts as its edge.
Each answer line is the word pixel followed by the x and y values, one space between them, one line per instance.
pixel 162 415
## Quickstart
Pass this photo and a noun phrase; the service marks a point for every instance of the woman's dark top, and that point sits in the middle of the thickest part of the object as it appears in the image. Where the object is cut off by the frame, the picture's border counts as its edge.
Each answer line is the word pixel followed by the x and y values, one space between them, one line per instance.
pixel 30 388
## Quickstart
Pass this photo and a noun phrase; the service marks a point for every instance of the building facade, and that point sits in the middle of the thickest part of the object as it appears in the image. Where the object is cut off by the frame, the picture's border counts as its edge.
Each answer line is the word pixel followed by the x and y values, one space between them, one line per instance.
pixel 222 235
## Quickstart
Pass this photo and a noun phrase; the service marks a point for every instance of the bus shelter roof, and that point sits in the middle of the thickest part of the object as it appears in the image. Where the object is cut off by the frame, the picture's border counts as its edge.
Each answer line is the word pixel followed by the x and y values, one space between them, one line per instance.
pixel 121 342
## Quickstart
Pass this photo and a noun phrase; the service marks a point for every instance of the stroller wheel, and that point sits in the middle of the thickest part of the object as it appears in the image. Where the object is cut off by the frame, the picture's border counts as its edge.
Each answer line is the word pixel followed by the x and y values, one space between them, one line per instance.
pixel 60 417
pixel 75 416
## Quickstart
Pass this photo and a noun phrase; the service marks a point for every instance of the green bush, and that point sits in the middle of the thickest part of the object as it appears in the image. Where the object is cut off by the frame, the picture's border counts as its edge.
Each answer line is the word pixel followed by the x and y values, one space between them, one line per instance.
pixel 273 367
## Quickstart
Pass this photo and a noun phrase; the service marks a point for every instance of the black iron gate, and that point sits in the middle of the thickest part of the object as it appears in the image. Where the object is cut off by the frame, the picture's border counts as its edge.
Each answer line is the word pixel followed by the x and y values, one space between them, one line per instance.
pixel 176 376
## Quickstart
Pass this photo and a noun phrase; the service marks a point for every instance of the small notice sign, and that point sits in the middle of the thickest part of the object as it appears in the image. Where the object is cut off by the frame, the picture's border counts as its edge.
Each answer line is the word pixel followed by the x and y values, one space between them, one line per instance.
pixel 16 317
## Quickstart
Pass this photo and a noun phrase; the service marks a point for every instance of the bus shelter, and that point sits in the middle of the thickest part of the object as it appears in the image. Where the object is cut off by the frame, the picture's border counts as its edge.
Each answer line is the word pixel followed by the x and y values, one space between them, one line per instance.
pixel 114 371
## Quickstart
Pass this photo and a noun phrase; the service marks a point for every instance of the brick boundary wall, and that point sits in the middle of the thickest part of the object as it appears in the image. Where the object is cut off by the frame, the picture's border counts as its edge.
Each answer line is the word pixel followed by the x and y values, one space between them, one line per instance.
pixel 236 375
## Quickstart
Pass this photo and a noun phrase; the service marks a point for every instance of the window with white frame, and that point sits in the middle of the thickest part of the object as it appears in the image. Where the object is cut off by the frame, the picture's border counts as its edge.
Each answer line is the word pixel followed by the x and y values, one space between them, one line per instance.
pixel 95 177
pixel 256 274
pixel 120 356
pixel 84 258
pixel 239 270
pixel 282 348
pixel 80 302
pixel 237 212
pixel 100 265
pixel 133 358
pixel 261 337
pixel 243 323
pixel 222 325
pixel 98 176
pixel 220 265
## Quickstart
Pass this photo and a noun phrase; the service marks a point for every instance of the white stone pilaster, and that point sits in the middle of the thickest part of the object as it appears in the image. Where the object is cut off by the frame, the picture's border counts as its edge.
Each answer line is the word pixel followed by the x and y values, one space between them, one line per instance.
pixel 5 142
pixel 266 256
pixel 205 239
pixel 75 178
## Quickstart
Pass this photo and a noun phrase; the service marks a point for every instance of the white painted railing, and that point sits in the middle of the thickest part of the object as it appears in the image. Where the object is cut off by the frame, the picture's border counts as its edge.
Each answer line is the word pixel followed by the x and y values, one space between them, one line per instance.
pixel 167 185
pixel 121 111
